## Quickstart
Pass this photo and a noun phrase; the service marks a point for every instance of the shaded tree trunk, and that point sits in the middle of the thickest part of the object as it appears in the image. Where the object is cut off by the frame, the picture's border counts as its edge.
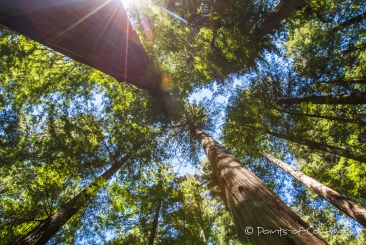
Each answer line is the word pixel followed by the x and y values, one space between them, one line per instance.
pixel 84 36
pixel 324 147
pixel 350 22
pixel 343 120
pixel 46 229
pixel 344 99
pixel 254 208
pixel 347 206
pixel 342 82
pixel 155 224
pixel 279 13
pixel 356 47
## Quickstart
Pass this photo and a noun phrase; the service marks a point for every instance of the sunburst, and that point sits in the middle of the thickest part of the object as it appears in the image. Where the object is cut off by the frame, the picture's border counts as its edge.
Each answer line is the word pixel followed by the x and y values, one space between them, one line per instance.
pixel 128 3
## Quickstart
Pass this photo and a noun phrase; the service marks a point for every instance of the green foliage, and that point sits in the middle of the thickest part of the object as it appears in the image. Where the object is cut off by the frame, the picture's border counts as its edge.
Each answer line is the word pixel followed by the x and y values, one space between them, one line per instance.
pixel 323 52
pixel 218 40
pixel 55 139
pixel 326 60
pixel 188 212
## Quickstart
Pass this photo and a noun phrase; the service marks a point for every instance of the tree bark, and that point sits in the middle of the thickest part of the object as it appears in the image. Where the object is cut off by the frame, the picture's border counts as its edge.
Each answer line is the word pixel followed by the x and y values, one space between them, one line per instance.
pixel 279 13
pixel 84 37
pixel 155 224
pixel 341 82
pixel 350 22
pixel 253 206
pixel 324 147
pixel 344 99
pixel 343 120
pixel 46 229
pixel 350 208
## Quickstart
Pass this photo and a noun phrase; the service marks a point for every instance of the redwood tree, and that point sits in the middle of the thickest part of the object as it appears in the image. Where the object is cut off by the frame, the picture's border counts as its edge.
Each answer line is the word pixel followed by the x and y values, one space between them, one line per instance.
pixel 323 147
pixel 155 224
pixel 347 206
pixel 253 207
pixel 47 228
pixel 279 13
pixel 344 99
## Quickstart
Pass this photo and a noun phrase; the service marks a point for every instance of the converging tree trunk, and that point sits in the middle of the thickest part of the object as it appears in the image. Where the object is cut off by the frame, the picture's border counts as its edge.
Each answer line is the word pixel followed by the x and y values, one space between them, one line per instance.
pixel 47 228
pixel 155 223
pixel 324 147
pixel 344 99
pixel 342 82
pixel 343 120
pixel 352 21
pixel 259 215
pixel 350 208
pixel 97 33
pixel 279 13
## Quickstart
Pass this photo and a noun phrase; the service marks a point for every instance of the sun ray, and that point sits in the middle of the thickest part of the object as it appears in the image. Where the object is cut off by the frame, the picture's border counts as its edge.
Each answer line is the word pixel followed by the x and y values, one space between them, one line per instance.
pixel 82 19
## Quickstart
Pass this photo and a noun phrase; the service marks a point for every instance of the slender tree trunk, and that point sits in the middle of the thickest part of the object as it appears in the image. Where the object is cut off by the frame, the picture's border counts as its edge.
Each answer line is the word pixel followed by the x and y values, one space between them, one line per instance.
pixel 203 237
pixel 353 98
pixel 356 47
pixel 343 120
pixel 350 208
pixel 155 224
pixel 259 215
pixel 279 13
pixel 324 147
pixel 46 229
pixel 350 22
pixel 340 82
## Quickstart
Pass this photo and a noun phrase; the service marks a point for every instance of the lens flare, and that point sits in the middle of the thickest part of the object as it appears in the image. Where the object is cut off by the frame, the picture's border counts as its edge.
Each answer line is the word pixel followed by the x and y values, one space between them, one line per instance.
pixel 166 83
pixel 173 14
pixel 146 26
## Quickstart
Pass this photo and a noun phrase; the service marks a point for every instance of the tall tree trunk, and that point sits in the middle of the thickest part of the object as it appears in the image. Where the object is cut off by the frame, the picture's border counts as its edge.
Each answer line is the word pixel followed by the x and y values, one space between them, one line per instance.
pixel 279 13
pixel 353 99
pixel 356 47
pixel 341 82
pixel 46 229
pixel 326 117
pixel 324 147
pixel 350 208
pixel 259 215
pixel 116 50
pixel 350 22
pixel 155 223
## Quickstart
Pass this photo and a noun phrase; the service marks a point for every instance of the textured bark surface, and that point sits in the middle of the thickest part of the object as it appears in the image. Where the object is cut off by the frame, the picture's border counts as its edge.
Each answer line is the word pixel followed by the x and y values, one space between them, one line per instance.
pixel 253 206
pixel 279 13
pixel 350 208
pixel 46 229
pixel 324 147
pixel 344 99
pixel 97 33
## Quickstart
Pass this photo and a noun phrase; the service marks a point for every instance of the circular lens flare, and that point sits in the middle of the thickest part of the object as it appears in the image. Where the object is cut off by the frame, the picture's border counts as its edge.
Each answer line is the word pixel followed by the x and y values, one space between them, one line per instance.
pixel 166 84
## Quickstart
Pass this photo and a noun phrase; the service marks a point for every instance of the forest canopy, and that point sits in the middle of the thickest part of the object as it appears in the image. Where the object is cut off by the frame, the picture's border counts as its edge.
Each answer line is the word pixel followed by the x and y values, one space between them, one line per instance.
pixel 89 158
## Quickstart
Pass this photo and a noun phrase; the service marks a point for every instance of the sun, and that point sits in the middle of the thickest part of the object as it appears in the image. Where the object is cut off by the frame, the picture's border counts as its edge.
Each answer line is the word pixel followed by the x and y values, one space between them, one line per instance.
pixel 128 3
